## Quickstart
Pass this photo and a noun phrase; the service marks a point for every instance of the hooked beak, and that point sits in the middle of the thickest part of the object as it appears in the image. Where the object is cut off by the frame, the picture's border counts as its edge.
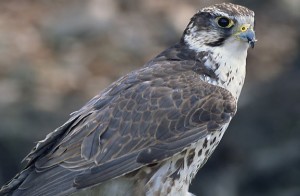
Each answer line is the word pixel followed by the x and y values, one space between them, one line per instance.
pixel 247 34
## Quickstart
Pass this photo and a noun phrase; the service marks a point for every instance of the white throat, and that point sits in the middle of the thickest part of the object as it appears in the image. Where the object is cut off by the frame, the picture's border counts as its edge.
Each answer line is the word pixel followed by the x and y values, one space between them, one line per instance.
pixel 228 62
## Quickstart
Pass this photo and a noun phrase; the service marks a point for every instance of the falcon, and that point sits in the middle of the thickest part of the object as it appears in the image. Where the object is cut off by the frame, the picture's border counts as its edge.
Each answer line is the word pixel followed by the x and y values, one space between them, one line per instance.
pixel 150 132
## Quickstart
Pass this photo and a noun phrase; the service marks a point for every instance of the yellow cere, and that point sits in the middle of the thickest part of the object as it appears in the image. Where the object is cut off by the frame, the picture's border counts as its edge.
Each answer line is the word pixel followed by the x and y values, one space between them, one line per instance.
pixel 244 27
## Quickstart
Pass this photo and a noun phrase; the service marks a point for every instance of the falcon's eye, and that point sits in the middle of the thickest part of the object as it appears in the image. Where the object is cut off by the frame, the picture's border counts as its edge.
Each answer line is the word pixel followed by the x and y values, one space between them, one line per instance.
pixel 224 22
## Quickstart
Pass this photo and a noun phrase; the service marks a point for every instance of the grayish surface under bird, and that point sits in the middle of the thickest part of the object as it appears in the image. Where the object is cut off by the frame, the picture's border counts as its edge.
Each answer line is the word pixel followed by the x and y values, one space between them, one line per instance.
pixel 149 132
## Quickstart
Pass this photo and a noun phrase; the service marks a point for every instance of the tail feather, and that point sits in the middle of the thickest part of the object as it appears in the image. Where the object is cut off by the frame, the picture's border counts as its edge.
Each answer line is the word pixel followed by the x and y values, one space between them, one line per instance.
pixel 56 181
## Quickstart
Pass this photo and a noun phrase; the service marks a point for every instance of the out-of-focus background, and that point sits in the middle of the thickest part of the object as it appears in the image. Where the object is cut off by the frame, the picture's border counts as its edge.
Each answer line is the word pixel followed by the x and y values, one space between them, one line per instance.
pixel 56 55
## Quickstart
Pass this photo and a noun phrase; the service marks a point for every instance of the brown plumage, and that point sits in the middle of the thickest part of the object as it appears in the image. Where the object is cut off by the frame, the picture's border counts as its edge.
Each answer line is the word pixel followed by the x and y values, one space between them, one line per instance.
pixel 140 122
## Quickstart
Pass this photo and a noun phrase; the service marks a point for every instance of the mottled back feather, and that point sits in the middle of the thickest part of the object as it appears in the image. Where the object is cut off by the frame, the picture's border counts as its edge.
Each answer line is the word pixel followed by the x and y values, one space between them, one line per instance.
pixel 145 117
pixel 142 119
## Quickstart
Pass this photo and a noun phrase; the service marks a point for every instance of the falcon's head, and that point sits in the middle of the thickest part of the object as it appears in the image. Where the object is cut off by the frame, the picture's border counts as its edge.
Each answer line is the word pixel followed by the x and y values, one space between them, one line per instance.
pixel 221 25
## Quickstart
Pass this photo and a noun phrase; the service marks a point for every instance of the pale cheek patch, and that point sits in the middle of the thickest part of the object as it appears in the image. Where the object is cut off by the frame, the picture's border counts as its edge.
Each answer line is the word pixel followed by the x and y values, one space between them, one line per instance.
pixel 197 40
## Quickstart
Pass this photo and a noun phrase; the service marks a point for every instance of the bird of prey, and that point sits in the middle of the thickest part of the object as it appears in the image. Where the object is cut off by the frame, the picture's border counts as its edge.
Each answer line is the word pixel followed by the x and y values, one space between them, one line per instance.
pixel 150 132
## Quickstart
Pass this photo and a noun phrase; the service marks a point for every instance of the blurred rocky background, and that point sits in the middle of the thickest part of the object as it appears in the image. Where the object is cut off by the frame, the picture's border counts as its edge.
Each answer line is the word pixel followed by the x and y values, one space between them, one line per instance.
pixel 56 55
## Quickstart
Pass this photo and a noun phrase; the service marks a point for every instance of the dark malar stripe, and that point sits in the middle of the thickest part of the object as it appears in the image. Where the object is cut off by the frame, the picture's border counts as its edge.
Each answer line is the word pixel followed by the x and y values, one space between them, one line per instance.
pixel 219 42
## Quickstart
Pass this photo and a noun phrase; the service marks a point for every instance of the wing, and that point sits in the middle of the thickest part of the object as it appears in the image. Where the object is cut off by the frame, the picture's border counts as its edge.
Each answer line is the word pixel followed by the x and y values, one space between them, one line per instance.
pixel 145 117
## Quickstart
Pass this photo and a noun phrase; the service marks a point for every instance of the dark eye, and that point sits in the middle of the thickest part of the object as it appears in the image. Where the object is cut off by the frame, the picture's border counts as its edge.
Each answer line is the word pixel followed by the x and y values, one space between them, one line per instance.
pixel 224 22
